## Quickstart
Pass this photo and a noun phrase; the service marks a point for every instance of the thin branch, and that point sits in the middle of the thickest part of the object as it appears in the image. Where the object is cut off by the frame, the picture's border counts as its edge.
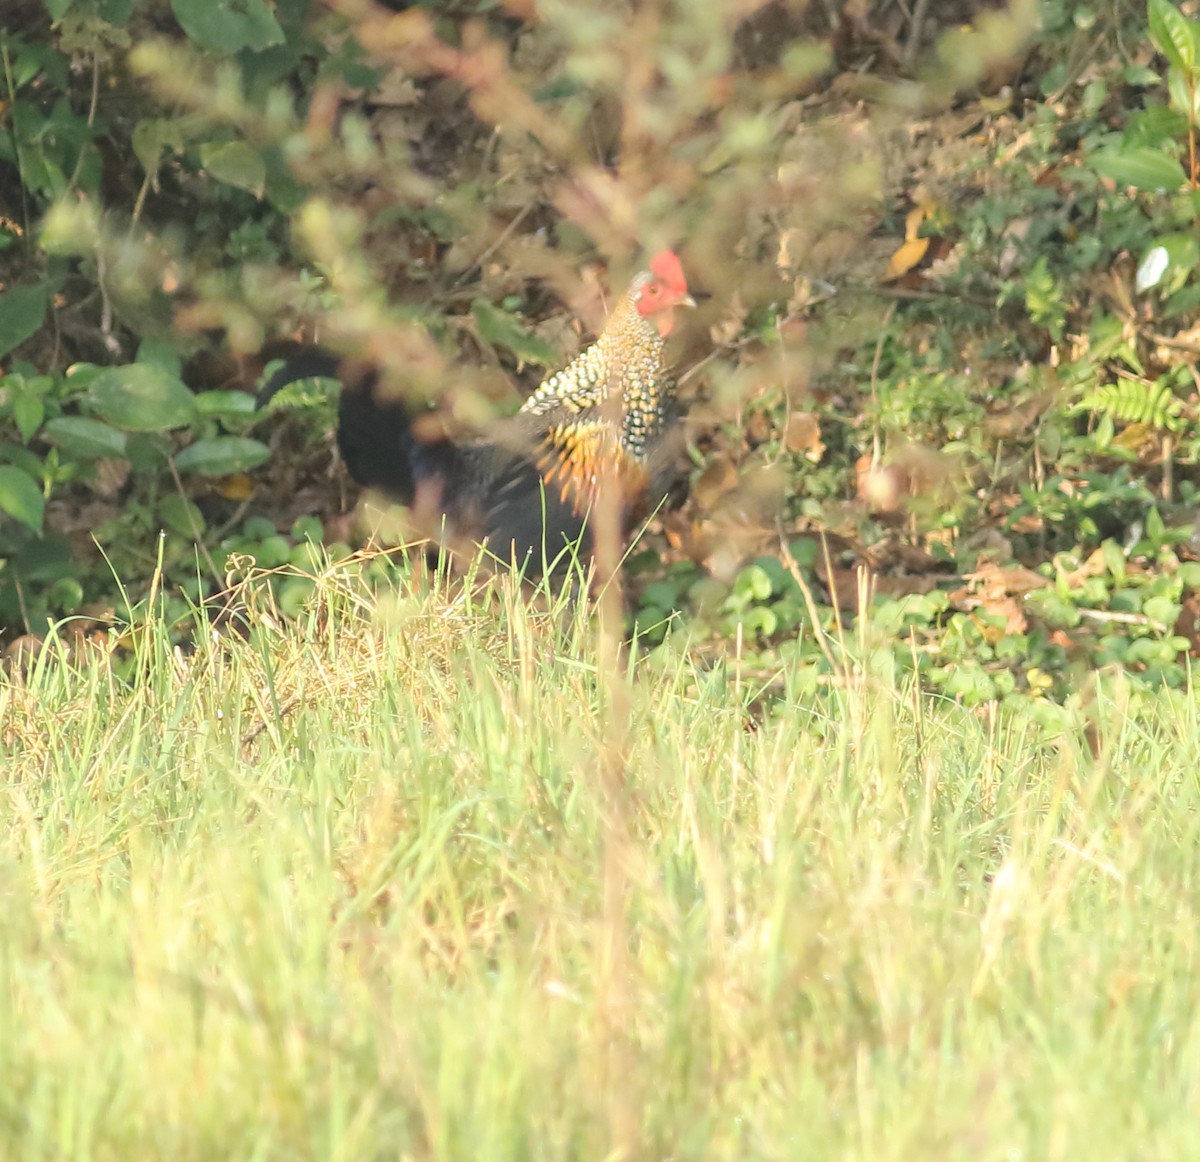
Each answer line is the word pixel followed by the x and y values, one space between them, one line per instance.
pixel 914 32
pixel 501 239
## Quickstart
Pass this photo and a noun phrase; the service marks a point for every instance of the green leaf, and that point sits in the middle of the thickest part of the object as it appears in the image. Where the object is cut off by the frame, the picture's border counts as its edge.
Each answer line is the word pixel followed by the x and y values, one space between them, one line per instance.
pixel 148 451
pixel 153 135
pixel 761 621
pixel 228 25
pixel 116 12
pixel 1162 610
pixel 236 164
pixel 1044 299
pixel 804 551
pixel 222 455
pixel 304 528
pixel 272 552
pixel 1172 34
pixel 22 309
pixel 222 404
pixel 21 497
pixel 1158 128
pixel 753 583
pixel 283 191
pixel 29 410
pixel 293 593
pixel 660 593
pixel 66 594
pixel 70 227
pixel 1140 76
pixel 22 458
pixel 87 439
pixel 503 330
pixel 1184 92
pixel 181 516
pixel 1144 169
pixel 649 618
pixel 781 579
pixel 160 354
pixel 140 397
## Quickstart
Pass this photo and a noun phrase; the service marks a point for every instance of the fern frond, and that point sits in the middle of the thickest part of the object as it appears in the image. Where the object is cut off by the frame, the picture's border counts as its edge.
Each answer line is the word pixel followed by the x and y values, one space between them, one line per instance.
pixel 1135 401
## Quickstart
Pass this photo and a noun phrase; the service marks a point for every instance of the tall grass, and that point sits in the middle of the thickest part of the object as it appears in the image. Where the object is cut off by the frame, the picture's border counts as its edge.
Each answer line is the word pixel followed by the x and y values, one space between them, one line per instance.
pixel 366 886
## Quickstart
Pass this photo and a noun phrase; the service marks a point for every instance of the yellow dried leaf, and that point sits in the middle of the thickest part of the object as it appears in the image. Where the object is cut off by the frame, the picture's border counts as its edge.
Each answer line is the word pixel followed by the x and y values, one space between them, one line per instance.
pixel 236 487
pixel 906 257
pixel 1134 437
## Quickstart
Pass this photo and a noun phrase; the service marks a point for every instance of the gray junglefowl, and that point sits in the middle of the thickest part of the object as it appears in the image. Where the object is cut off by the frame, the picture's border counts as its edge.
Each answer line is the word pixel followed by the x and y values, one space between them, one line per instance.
pixel 526 489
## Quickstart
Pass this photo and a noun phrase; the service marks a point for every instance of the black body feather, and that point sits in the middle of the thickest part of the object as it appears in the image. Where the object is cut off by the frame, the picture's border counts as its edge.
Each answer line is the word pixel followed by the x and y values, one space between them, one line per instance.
pixel 485 490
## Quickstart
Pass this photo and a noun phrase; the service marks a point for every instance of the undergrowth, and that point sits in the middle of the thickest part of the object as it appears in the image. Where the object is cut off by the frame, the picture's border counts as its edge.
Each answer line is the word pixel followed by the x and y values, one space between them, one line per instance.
pixel 943 359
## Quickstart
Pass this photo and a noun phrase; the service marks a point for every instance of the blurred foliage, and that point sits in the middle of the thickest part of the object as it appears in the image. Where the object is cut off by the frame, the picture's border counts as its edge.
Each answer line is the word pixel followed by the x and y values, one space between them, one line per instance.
pixel 944 361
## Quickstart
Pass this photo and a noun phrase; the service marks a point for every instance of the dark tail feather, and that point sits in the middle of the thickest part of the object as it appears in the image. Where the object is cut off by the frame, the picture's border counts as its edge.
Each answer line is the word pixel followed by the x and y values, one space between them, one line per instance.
pixel 376 441
pixel 374 434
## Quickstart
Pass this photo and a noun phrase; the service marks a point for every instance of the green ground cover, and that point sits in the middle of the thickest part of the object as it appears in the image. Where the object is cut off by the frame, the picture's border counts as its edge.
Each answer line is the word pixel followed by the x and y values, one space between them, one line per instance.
pixel 433 880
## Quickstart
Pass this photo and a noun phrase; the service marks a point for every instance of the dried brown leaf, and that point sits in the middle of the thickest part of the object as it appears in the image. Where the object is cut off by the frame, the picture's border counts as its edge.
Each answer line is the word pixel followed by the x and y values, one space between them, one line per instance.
pixel 1188 623
pixel 992 579
pixel 731 324
pixel 718 478
pixel 847 585
pixel 1017 421
pixel 803 435
pixel 1094 566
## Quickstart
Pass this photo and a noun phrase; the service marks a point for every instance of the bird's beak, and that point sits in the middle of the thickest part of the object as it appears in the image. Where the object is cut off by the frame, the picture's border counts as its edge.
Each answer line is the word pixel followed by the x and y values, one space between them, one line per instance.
pixel 686 301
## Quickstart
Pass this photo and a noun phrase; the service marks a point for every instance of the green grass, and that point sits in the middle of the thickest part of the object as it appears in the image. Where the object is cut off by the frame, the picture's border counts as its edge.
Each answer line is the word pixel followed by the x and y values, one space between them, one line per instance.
pixel 425 881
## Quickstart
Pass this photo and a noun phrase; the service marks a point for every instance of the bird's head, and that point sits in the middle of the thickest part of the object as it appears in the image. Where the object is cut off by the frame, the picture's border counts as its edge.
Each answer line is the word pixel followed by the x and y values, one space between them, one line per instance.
pixel 659 290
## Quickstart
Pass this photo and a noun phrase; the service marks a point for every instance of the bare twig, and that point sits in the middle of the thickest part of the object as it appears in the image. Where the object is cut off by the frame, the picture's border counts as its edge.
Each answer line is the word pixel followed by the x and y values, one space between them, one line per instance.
pixel 1113 615
pixel 1173 344
pixel 913 44
pixel 11 88
pixel 285 708
pixel 501 239
pixel 875 449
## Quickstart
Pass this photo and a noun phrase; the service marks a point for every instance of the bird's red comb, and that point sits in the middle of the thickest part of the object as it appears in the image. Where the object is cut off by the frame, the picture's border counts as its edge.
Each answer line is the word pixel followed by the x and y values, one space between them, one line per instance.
pixel 666 267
